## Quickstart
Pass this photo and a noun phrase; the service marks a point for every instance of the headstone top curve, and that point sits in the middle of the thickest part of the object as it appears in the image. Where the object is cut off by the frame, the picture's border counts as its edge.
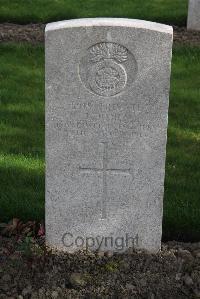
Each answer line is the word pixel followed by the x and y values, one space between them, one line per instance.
pixel 114 22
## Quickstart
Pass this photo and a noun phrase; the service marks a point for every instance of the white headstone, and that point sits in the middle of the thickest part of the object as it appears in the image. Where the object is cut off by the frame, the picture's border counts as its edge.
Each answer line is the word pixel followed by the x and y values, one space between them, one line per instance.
pixel 107 90
pixel 193 21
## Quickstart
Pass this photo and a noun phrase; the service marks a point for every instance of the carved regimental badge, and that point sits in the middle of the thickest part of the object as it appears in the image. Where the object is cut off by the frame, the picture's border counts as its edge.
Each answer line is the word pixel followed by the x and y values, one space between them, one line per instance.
pixel 107 69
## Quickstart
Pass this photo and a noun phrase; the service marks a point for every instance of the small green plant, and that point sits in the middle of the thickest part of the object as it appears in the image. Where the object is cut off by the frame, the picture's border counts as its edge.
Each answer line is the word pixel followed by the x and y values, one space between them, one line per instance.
pixel 112 266
pixel 29 247
pixel 25 245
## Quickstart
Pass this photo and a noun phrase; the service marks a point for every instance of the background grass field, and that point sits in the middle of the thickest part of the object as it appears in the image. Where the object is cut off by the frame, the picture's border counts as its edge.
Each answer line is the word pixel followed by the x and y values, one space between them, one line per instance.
pixel 26 11
pixel 22 132
pixel 22 139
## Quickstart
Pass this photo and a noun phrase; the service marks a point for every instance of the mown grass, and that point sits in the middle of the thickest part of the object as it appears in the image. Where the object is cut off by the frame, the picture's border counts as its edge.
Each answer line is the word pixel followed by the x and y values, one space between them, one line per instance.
pixel 22 139
pixel 182 184
pixel 21 132
pixel 26 11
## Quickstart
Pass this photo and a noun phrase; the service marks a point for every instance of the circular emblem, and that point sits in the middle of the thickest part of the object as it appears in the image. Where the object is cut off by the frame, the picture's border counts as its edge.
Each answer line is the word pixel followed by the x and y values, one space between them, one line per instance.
pixel 107 69
pixel 107 78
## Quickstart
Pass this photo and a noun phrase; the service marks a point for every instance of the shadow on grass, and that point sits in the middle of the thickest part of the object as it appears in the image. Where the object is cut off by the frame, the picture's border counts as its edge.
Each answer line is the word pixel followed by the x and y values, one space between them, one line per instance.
pixel 181 219
pixel 22 132
pixel 22 193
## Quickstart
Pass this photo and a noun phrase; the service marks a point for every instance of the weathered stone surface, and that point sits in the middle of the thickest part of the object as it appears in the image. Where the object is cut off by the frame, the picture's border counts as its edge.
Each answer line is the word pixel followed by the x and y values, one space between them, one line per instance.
pixel 107 88
pixel 193 21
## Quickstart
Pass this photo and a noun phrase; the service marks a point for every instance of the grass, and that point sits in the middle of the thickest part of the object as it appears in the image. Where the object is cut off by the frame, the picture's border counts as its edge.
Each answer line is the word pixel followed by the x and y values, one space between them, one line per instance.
pixel 22 138
pixel 22 132
pixel 182 184
pixel 26 11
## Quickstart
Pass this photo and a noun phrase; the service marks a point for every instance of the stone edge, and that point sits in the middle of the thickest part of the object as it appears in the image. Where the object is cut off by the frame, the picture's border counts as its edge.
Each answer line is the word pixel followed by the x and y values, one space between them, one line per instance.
pixel 114 22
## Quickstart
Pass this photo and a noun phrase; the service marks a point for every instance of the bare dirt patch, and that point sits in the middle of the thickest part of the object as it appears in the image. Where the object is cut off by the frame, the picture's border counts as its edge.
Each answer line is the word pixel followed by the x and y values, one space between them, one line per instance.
pixel 28 270
pixel 183 36
pixel 34 33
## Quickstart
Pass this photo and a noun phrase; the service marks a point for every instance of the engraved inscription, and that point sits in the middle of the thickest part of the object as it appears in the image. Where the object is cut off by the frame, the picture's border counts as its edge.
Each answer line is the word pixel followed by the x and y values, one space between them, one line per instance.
pixel 107 69
pixel 105 119
pixel 104 171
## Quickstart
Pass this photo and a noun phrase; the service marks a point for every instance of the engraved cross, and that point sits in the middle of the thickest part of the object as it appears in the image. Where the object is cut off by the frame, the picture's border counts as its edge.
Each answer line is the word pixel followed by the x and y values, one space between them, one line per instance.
pixel 105 170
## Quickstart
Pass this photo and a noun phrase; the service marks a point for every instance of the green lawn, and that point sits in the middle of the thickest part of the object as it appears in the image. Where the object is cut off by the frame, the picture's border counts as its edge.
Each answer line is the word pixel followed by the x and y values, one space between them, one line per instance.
pixel 22 138
pixel 21 132
pixel 182 184
pixel 26 11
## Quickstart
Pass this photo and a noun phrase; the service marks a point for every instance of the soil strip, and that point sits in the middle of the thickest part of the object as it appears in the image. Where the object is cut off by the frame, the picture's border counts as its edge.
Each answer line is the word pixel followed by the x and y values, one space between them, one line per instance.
pixel 34 33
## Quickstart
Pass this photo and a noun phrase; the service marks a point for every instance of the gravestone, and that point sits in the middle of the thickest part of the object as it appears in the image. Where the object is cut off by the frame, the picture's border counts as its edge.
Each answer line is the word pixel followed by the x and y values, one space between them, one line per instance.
pixel 107 89
pixel 193 21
